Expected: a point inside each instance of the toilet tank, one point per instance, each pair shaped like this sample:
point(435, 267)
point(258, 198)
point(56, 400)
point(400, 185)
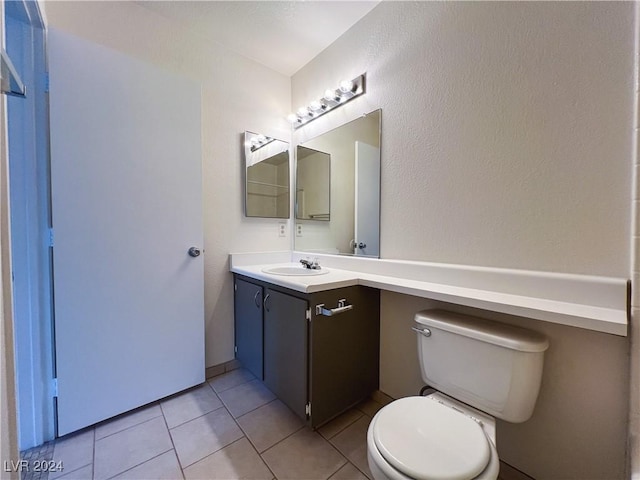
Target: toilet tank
point(492, 366)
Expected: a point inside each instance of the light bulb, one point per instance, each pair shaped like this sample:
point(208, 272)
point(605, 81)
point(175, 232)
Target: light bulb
point(346, 86)
point(261, 139)
point(303, 112)
point(292, 118)
point(315, 105)
point(330, 94)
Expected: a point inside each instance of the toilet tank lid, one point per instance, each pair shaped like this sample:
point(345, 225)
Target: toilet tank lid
point(508, 336)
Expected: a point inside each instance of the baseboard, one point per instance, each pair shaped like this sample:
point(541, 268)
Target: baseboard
point(225, 367)
point(507, 472)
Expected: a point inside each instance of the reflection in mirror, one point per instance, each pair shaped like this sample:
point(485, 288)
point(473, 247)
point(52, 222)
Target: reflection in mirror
point(312, 184)
point(267, 176)
point(352, 152)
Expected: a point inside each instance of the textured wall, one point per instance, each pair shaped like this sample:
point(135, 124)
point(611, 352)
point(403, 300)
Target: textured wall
point(506, 129)
point(506, 142)
point(237, 95)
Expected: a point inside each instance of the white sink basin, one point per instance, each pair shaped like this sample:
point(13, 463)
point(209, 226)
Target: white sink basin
point(294, 271)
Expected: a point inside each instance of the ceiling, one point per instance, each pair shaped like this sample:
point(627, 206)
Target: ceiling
point(283, 35)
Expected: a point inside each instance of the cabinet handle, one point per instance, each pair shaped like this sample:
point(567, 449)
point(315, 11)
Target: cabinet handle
point(329, 312)
point(266, 297)
point(255, 299)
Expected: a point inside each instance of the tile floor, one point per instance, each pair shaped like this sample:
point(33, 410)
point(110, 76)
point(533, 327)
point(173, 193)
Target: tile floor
point(231, 427)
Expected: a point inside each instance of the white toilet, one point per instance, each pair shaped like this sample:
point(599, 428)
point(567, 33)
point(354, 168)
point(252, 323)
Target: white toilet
point(471, 362)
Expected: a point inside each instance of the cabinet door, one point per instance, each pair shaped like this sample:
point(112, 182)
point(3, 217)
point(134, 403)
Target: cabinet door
point(344, 357)
point(285, 349)
point(248, 323)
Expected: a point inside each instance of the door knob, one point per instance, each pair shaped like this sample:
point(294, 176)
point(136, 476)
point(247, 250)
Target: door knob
point(362, 245)
point(194, 252)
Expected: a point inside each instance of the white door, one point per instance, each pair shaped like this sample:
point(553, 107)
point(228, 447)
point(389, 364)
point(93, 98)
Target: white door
point(367, 202)
point(126, 179)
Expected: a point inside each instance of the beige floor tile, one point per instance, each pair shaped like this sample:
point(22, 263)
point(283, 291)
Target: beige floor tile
point(348, 472)
point(189, 405)
point(127, 420)
point(126, 449)
point(236, 461)
point(162, 467)
point(84, 473)
point(381, 398)
point(231, 379)
point(74, 451)
point(303, 455)
point(246, 397)
point(369, 407)
point(267, 425)
point(202, 436)
point(352, 443)
point(339, 423)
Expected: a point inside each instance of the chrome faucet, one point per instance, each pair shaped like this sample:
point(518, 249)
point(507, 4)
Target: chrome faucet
point(309, 264)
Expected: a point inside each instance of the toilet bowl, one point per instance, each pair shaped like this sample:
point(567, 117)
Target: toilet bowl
point(432, 437)
point(494, 368)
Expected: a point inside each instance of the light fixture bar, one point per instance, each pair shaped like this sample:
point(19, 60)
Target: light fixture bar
point(260, 141)
point(333, 98)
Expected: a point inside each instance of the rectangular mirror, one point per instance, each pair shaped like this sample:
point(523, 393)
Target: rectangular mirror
point(313, 177)
point(267, 176)
point(349, 157)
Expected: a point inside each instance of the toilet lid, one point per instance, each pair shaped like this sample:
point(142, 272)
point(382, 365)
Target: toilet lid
point(425, 439)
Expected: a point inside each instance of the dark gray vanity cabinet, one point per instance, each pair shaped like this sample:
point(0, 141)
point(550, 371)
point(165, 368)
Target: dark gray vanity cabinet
point(320, 351)
point(344, 351)
point(285, 348)
point(249, 326)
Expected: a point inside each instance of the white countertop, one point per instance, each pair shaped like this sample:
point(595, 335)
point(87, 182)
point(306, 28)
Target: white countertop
point(307, 283)
point(594, 303)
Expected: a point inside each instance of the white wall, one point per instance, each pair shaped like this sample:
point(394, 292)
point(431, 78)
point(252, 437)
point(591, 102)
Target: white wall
point(506, 142)
point(237, 95)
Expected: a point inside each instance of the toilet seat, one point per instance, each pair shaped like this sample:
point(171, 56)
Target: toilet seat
point(422, 438)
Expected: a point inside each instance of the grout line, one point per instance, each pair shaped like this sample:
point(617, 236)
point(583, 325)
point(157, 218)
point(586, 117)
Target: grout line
point(340, 467)
point(347, 425)
point(360, 470)
point(233, 386)
point(175, 450)
point(209, 454)
point(282, 440)
point(191, 419)
point(249, 411)
point(70, 472)
point(236, 386)
point(137, 465)
point(125, 429)
point(344, 454)
point(93, 458)
point(250, 442)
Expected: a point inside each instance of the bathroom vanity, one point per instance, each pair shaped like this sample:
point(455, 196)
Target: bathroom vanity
point(317, 352)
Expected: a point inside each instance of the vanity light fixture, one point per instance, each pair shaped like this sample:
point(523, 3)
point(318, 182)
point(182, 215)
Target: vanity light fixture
point(260, 141)
point(347, 90)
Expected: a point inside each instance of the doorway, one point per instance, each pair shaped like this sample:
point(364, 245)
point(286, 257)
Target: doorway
point(28, 147)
